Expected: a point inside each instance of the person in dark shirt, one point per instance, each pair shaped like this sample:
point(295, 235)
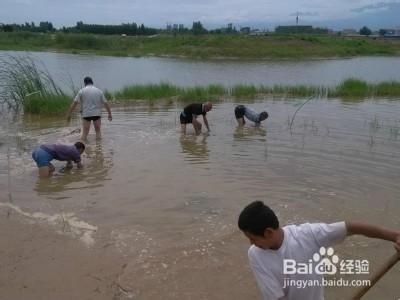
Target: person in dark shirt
point(44, 154)
point(190, 114)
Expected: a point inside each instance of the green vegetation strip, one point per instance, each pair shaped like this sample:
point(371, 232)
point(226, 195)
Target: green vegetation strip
point(201, 46)
point(26, 86)
point(349, 90)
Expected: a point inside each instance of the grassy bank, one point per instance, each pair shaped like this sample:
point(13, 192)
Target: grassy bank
point(350, 88)
point(205, 46)
point(51, 105)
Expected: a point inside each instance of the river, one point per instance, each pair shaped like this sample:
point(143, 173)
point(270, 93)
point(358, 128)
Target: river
point(113, 73)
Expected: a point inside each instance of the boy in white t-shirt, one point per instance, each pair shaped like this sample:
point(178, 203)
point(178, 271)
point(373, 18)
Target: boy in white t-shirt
point(275, 248)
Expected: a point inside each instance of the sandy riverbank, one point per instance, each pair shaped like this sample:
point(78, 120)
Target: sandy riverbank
point(37, 263)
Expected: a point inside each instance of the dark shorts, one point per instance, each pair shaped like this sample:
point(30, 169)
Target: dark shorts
point(41, 157)
point(94, 118)
point(186, 119)
point(240, 111)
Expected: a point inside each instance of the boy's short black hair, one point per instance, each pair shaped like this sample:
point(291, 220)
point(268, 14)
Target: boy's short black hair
point(80, 146)
point(88, 80)
point(256, 217)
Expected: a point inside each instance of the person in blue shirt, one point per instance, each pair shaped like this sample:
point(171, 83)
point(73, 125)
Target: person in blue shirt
point(44, 154)
point(242, 111)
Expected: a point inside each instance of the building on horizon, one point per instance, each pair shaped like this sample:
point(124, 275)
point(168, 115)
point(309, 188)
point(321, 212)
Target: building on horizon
point(389, 33)
point(245, 30)
point(304, 29)
point(350, 32)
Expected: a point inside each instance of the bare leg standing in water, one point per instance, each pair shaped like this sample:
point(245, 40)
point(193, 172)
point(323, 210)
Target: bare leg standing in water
point(85, 130)
point(97, 128)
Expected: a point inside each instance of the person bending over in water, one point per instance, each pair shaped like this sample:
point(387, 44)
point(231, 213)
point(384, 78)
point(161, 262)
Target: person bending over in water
point(44, 154)
point(92, 100)
point(191, 112)
point(242, 111)
point(278, 253)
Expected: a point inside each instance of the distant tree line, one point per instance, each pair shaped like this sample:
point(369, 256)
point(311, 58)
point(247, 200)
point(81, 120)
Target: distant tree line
point(128, 29)
point(80, 27)
point(31, 27)
point(198, 28)
point(135, 29)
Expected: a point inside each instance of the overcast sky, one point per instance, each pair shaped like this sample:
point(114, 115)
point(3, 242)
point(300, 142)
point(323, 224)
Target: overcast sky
point(157, 13)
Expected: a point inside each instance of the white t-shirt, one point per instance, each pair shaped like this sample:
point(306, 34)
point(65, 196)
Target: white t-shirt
point(92, 100)
point(300, 243)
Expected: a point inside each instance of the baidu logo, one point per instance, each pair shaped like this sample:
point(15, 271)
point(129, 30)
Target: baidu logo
point(326, 262)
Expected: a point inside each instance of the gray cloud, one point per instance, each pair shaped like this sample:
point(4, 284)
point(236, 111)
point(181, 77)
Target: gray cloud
point(374, 7)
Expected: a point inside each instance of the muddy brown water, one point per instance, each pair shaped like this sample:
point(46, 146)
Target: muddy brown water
point(169, 204)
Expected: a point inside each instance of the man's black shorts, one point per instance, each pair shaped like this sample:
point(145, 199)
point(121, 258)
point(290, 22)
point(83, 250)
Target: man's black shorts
point(186, 119)
point(94, 118)
point(240, 111)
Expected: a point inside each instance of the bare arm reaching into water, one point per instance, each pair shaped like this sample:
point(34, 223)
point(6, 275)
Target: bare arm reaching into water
point(206, 122)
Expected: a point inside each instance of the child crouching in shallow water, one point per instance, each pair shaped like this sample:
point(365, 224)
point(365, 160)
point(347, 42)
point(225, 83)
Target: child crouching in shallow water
point(44, 154)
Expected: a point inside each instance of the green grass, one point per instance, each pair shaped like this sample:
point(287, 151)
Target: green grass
point(49, 105)
point(203, 46)
point(26, 86)
point(148, 92)
point(387, 89)
point(165, 90)
point(348, 89)
point(211, 92)
point(245, 91)
point(352, 88)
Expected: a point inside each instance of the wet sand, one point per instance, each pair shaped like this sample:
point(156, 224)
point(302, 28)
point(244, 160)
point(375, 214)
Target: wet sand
point(38, 263)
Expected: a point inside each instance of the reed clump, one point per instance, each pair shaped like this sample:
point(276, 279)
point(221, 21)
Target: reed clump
point(199, 93)
point(26, 86)
point(147, 92)
point(352, 88)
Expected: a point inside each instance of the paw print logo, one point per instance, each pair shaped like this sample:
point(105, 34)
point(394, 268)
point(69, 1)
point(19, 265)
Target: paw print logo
point(326, 261)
